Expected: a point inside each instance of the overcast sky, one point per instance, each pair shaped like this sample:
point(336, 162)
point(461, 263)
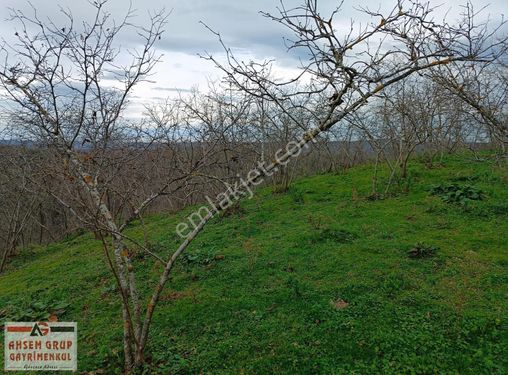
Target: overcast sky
point(239, 22)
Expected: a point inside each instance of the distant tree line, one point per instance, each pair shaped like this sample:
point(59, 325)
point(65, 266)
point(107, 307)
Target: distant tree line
point(222, 135)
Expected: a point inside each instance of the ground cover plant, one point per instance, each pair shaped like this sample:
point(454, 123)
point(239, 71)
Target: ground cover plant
point(259, 292)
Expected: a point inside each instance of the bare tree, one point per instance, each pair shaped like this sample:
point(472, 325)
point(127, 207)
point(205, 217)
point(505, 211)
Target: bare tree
point(483, 83)
point(357, 68)
point(18, 207)
point(483, 86)
point(54, 77)
point(400, 121)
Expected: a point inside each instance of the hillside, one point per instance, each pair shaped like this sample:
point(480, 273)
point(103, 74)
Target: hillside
point(315, 280)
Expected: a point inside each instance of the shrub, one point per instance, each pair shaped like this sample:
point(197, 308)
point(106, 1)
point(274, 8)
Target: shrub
point(459, 194)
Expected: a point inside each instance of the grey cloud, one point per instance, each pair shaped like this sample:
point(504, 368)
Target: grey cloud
point(239, 22)
point(172, 89)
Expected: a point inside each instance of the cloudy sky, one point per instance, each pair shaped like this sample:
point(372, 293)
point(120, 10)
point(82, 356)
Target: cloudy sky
point(248, 33)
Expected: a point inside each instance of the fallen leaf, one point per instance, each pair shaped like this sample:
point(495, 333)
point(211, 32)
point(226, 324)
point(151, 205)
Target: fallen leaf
point(339, 304)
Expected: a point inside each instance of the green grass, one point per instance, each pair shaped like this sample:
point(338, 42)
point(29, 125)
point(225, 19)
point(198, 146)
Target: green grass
point(267, 306)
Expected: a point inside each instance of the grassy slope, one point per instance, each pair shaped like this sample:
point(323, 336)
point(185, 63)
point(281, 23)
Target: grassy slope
point(265, 307)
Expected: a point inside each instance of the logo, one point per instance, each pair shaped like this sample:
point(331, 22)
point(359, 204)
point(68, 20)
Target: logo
point(37, 331)
point(45, 346)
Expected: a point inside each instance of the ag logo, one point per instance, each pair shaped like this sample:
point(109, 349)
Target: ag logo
point(40, 329)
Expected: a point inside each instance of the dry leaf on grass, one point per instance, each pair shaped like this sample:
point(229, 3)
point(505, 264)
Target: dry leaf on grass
point(339, 304)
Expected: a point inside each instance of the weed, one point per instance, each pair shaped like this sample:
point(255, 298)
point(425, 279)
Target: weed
point(295, 286)
point(334, 235)
point(297, 196)
point(234, 210)
point(458, 194)
point(33, 311)
point(421, 250)
point(201, 258)
point(375, 197)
